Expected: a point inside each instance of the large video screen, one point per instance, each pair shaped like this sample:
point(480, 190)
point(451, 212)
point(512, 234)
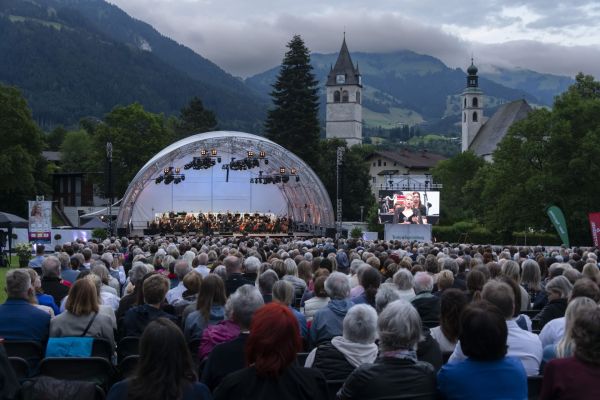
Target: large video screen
point(409, 207)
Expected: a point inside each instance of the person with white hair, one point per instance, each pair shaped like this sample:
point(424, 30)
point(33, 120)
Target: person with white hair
point(202, 267)
point(338, 358)
point(182, 267)
point(251, 267)
point(426, 303)
point(327, 322)
point(291, 276)
point(558, 290)
point(387, 293)
point(397, 370)
point(52, 284)
point(404, 281)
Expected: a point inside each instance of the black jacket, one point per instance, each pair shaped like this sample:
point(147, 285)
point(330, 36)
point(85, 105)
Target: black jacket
point(138, 317)
point(554, 309)
point(234, 281)
point(224, 359)
point(428, 307)
point(55, 287)
point(331, 362)
point(390, 378)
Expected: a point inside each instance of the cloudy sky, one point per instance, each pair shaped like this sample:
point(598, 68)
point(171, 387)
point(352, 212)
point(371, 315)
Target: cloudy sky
point(245, 37)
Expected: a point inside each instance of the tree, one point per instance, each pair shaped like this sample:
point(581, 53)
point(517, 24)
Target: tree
point(548, 158)
point(77, 152)
point(55, 138)
point(136, 135)
point(453, 174)
point(22, 168)
point(194, 118)
point(293, 122)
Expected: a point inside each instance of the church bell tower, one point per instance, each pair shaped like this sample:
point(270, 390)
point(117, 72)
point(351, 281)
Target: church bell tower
point(344, 108)
point(472, 108)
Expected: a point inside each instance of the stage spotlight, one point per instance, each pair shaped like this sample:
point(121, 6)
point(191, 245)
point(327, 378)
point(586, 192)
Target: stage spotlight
point(262, 154)
point(219, 160)
point(250, 153)
point(203, 152)
point(266, 161)
point(293, 171)
point(297, 179)
point(251, 180)
point(159, 179)
point(285, 179)
point(213, 152)
point(282, 170)
point(177, 170)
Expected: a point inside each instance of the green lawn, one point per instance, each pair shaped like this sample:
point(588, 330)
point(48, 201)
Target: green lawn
point(14, 263)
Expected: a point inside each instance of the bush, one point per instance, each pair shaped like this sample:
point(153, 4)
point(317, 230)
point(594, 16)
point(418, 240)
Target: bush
point(356, 232)
point(470, 232)
point(99, 233)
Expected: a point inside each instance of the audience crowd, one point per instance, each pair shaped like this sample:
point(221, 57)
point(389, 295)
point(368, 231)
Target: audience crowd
point(318, 318)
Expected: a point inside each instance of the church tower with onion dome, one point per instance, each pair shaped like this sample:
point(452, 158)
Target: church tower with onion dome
point(472, 108)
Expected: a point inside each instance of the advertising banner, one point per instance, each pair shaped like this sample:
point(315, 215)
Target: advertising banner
point(409, 232)
point(558, 220)
point(595, 227)
point(40, 221)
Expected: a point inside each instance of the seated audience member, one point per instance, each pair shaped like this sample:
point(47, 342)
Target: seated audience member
point(358, 289)
point(405, 281)
point(209, 310)
point(228, 357)
point(397, 370)
point(81, 316)
point(328, 321)
point(103, 308)
point(191, 283)
point(71, 272)
point(453, 302)
point(522, 320)
point(512, 270)
point(136, 274)
point(36, 262)
point(40, 300)
point(521, 344)
point(577, 377)
point(202, 265)
point(387, 293)
point(531, 280)
point(558, 291)
point(475, 281)
point(165, 369)
point(426, 303)
point(554, 330)
point(445, 280)
point(370, 281)
point(338, 358)
point(319, 301)
point(486, 373)
point(155, 288)
point(108, 294)
point(182, 268)
point(235, 278)
point(273, 373)
point(266, 280)
point(291, 276)
point(251, 267)
point(239, 309)
point(565, 346)
point(283, 293)
point(20, 320)
point(52, 284)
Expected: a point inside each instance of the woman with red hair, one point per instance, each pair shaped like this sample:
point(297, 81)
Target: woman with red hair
point(272, 371)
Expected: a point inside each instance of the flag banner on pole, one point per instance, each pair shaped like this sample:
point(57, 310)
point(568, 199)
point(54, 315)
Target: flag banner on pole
point(595, 226)
point(558, 220)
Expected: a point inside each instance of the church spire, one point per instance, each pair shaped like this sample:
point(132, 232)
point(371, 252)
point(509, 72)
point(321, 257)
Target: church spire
point(344, 67)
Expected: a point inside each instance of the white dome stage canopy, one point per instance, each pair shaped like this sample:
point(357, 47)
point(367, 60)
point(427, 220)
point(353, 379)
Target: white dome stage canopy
point(219, 190)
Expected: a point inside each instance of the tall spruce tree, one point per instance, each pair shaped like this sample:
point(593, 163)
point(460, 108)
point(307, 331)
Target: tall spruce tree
point(293, 122)
point(194, 118)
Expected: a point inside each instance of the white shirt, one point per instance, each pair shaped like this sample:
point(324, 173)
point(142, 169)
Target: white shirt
point(524, 345)
point(110, 299)
point(202, 270)
point(553, 331)
point(176, 293)
point(446, 346)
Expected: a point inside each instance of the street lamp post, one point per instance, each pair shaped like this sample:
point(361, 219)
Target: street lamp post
point(109, 150)
point(338, 164)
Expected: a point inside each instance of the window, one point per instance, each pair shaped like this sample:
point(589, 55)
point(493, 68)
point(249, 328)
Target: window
point(358, 97)
point(374, 163)
point(475, 116)
point(374, 179)
point(464, 117)
point(384, 164)
point(336, 96)
point(465, 102)
point(345, 96)
point(379, 163)
point(475, 102)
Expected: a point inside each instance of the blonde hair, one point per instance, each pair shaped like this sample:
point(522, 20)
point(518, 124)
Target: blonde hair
point(83, 298)
point(578, 306)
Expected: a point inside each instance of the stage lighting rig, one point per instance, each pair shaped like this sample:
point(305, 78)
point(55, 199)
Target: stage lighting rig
point(281, 177)
point(205, 161)
point(170, 175)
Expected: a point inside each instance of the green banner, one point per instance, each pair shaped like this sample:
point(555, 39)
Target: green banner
point(558, 219)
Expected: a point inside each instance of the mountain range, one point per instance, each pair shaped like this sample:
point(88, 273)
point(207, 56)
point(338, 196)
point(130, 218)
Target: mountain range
point(78, 58)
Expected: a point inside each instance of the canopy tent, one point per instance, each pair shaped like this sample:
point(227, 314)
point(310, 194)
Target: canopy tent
point(10, 221)
point(222, 189)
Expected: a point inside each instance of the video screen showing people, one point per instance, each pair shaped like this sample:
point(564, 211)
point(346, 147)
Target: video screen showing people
point(409, 207)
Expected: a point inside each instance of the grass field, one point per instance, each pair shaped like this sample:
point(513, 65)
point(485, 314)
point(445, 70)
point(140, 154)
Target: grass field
point(14, 262)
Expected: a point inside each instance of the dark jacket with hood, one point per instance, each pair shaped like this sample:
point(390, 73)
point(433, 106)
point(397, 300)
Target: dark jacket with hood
point(138, 317)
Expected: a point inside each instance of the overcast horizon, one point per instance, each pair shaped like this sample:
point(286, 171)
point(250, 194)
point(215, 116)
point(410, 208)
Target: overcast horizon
point(248, 37)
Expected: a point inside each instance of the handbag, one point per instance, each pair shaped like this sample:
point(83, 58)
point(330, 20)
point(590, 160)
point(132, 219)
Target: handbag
point(71, 346)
